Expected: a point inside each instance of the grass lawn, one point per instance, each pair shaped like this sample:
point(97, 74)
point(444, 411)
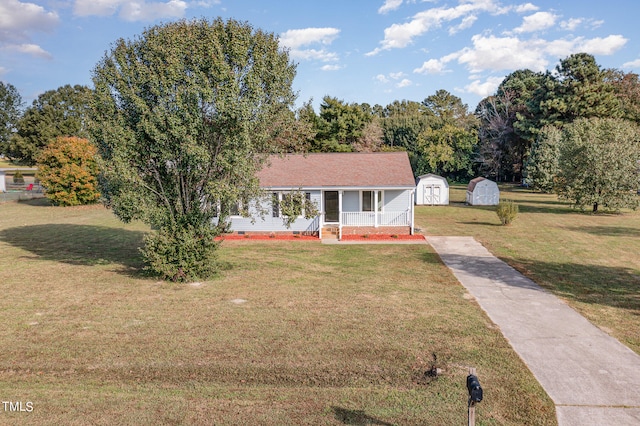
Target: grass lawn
point(591, 261)
point(291, 333)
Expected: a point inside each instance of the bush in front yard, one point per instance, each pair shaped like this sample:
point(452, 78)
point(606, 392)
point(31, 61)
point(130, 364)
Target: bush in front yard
point(181, 253)
point(507, 211)
point(67, 170)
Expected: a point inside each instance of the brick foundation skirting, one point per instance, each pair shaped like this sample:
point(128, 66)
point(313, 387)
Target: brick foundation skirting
point(276, 233)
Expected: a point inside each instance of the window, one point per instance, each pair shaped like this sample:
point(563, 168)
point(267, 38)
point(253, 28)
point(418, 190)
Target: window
point(368, 201)
point(307, 201)
point(275, 204)
point(285, 203)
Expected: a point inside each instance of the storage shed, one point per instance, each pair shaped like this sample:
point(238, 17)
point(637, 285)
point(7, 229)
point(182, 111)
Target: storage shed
point(3, 187)
point(432, 190)
point(482, 192)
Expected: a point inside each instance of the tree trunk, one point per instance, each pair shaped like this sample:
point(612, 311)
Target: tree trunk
point(595, 207)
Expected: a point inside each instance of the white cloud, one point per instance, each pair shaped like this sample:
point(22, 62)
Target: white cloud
point(330, 67)
point(30, 49)
point(389, 5)
point(627, 65)
point(498, 54)
point(18, 20)
point(432, 66)
point(484, 88)
point(632, 64)
point(536, 22)
point(394, 76)
point(296, 39)
point(467, 22)
point(602, 46)
point(137, 10)
point(401, 35)
point(313, 55)
point(528, 7)
point(503, 53)
point(571, 24)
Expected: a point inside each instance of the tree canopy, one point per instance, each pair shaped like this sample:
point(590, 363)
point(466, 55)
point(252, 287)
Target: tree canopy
point(598, 164)
point(184, 118)
point(10, 113)
point(60, 112)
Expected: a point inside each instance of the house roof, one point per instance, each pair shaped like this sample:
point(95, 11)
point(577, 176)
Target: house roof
point(353, 169)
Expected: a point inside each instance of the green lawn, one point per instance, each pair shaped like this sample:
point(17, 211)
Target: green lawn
point(591, 261)
point(291, 333)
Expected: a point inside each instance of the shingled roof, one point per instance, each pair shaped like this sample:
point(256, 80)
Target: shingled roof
point(364, 170)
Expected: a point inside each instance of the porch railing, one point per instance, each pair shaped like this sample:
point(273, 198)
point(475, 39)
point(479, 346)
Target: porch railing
point(393, 218)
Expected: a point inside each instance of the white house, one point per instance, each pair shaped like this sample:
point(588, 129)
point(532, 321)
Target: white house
point(482, 192)
point(355, 193)
point(432, 190)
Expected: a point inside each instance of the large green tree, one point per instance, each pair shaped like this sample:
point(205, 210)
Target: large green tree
point(542, 164)
point(10, 113)
point(184, 118)
point(579, 88)
point(599, 164)
point(502, 149)
point(60, 112)
point(340, 125)
point(447, 145)
point(402, 122)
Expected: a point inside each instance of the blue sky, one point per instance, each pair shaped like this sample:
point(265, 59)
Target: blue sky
point(373, 51)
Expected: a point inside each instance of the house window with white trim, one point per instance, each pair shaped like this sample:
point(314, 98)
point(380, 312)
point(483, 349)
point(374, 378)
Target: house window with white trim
point(368, 201)
point(275, 204)
point(278, 197)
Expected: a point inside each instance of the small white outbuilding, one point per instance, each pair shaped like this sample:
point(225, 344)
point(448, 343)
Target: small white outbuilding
point(3, 187)
point(432, 190)
point(483, 192)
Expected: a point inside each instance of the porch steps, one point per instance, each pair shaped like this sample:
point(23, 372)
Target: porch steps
point(330, 233)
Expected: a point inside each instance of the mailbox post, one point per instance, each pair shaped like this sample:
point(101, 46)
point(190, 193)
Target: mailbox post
point(475, 395)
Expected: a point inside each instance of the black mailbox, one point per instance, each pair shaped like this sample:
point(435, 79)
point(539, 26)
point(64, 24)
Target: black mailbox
point(475, 390)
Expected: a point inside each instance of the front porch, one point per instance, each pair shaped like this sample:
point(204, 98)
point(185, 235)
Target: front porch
point(366, 212)
point(368, 223)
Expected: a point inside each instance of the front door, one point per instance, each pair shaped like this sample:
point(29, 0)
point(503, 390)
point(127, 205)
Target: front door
point(331, 207)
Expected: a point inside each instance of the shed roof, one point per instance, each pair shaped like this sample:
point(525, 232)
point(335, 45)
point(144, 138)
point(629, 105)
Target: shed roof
point(432, 175)
point(474, 182)
point(378, 169)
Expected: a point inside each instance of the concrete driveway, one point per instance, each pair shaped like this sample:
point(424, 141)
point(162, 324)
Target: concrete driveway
point(592, 378)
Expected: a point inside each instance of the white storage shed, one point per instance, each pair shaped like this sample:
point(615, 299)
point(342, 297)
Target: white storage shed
point(483, 192)
point(432, 190)
point(3, 187)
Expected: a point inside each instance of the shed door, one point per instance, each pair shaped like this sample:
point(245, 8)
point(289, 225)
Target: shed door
point(432, 194)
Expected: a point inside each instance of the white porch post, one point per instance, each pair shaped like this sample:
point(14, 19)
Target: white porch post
point(375, 209)
point(340, 214)
point(413, 208)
